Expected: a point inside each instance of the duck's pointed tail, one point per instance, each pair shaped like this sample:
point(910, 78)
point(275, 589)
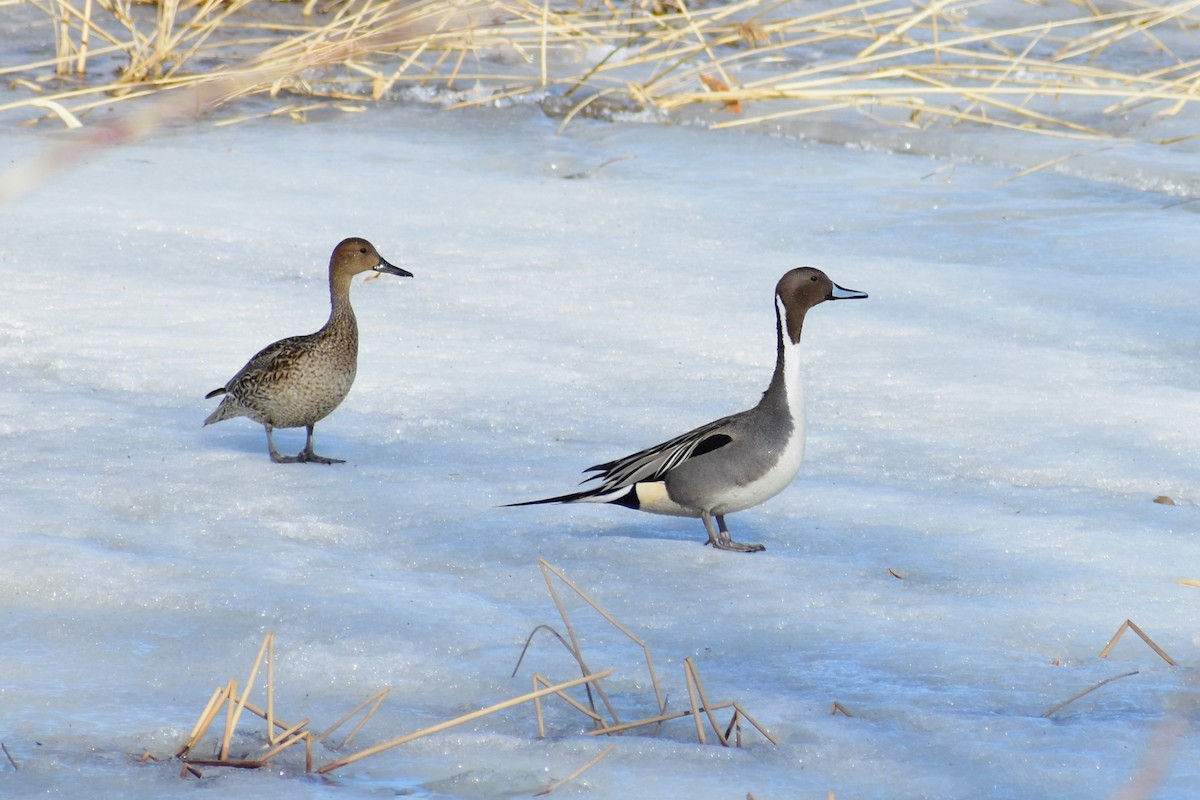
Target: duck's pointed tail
point(619, 496)
point(228, 408)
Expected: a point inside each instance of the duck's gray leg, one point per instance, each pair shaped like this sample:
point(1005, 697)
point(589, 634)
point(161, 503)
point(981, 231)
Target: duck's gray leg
point(719, 537)
point(308, 455)
point(275, 456)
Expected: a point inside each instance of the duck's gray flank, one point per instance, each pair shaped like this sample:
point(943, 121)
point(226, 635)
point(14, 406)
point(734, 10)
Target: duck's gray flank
point(735, 462)
point(296, 382)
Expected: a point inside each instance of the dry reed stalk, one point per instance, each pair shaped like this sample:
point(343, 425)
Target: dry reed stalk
point(9, 756)
point(230, 702)
point(441, 726)
point(1043, 165)
point(591, 763)
point(227, 695)
point(575, 649)
point(766, 733)
point(657, 719)
point(275, 722)
point(692, 676)
point(547, 570)
point(575, 654)
point(694, 712)
point(537, 707)
point(284, 742)
point(233, 763)
point(236, 711)
point(1130, 625)
point(206, 717)
point(1051, 711)
point(693, 702)
point(921, 47)
point(739, 712)
point(1138, 21)
point(587, 173)
point(538, 680)
point(202, 93)
point(936, 76)
point(558, 636)
point(270, 716)
point(84, 38)
point(374, 701)
point(1185, 83)
point(848, 71)
point(838, 708)
point(897, 33)
point(734, 728)
point(697, 698)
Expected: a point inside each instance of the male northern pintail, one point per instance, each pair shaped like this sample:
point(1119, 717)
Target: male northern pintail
point(737, 461)
point(296, 382)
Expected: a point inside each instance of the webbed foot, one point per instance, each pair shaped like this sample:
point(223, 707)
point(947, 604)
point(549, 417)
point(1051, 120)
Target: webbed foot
point(309, 457)
point(720, 539)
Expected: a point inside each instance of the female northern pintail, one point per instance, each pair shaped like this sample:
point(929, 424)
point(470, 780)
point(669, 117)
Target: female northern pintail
point(296, 382)
point(737, 461)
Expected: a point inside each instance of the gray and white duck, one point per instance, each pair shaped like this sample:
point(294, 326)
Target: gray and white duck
point(733, 463)
point(296, 382)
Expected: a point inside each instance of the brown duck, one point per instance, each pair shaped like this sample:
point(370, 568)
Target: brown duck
point(296, 382)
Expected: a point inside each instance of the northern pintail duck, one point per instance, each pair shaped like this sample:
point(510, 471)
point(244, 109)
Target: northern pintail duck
point(737, 461)
point(296, 382)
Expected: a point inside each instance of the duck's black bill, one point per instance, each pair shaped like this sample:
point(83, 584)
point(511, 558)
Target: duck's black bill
point(392, 269)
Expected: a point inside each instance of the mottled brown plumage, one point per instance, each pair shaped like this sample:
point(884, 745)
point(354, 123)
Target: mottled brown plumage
point(298, 381)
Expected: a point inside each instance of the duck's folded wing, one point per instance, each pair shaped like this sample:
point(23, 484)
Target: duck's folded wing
point(266, 360)
point(654, 462)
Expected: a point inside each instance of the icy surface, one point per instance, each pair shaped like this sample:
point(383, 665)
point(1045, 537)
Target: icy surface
point(993, 425)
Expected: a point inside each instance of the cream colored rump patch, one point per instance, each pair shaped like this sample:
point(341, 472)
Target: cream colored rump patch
point(652, 497)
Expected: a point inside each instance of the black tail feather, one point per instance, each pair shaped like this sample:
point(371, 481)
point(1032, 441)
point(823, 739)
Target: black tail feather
point(566, 498)
point(628, 499)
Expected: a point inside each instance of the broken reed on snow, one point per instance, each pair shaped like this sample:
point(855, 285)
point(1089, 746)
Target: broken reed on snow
point(749, 60)
point(281, 735)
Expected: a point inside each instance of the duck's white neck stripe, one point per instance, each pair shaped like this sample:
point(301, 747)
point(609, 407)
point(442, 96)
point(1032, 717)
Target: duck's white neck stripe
point(781, 320)
point(790, 364)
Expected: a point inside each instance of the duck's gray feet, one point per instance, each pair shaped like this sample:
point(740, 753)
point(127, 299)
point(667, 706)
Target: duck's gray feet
point(305, 456)
point(309, 457)
point(725, 543)
point(720, 539)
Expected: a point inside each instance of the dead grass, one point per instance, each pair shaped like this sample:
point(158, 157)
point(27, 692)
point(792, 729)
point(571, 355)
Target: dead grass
point(279, 736)
point(1127, 625)
point(750, 61)
point(607, 720)
point(1130, 625)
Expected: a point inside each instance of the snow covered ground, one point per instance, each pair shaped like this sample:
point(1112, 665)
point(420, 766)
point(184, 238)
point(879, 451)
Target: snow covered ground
point(993, 425)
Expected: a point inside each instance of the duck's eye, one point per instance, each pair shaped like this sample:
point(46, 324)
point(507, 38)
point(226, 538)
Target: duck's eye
point(363, 250)
point(813, 278)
